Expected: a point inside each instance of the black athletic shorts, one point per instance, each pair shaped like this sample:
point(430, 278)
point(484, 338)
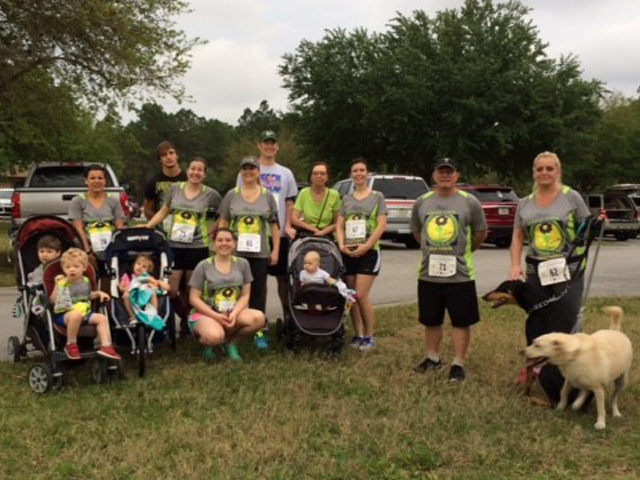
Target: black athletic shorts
point(188, 258)
point(369, 264)
point(280, 269)
point(460, 300)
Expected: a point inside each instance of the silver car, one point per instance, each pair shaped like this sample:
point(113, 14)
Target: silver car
point(6, 204)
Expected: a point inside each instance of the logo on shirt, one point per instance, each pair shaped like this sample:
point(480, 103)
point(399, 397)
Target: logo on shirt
point(547, 236)
point(442, 229)
point(272, 182)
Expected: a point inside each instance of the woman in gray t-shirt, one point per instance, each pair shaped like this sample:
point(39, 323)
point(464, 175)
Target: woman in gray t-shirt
point(95, 215)
point(361, 222)
point(220, 291)
point(186, 206)
point(250, 211)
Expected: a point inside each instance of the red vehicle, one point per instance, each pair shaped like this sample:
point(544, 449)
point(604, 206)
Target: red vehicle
point(499, 204)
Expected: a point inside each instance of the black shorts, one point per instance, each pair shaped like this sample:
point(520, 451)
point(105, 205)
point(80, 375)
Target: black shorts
point(367, 265)
point(188, 258)
point(459, 299)
point(280, 269)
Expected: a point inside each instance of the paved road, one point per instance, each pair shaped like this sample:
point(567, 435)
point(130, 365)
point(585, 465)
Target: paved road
point(617, 274)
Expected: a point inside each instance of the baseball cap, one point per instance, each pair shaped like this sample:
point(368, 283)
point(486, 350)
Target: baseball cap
point(249, 161)
point(446, 162)
point(268, 135)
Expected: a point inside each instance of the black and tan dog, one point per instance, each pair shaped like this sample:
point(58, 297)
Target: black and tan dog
point(546, 314)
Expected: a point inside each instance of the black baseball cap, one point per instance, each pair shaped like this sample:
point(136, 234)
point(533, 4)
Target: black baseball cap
point(446, 162)
point(268, 135)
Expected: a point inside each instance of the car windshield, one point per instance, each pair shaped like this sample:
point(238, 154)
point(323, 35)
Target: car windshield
point(496, 196)
point(401, 187)
point(60, 176)
point(6, 194)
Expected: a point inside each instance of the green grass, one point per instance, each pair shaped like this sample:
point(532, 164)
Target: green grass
point(360, 416)
point(7, 277)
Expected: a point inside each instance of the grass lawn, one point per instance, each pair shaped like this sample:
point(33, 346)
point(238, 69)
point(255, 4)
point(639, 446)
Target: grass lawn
point(7, 277)
point(277, 416)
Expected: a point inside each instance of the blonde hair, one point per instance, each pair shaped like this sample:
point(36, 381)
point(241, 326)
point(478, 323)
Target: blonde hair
point(552, 155)
point(313, 255)
point(74, 254)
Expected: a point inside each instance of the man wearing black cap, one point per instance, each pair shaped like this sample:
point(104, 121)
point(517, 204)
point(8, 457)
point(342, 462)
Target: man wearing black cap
point(449, 224)
point(279, 180)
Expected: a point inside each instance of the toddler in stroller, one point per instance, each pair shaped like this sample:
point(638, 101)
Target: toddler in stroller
point(49, 249)
point(312, 273)
point(72, 297)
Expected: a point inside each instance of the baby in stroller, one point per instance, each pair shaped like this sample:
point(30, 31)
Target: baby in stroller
point(72, 297)
point(139, 293)
point(312, 273)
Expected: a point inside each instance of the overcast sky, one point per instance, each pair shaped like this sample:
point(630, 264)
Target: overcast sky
point(238, 68)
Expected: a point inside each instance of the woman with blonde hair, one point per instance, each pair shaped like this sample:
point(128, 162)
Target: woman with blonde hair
point(550, 219)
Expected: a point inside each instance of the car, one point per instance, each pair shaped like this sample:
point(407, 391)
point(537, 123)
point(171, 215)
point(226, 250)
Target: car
point(6, 204)
point(400, 193)
point(620, 211)
point(499, 204)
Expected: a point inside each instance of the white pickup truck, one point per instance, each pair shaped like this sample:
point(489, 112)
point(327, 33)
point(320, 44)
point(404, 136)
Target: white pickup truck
point(50, 187)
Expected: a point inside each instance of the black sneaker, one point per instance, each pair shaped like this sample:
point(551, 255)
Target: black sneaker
point(457, 374)
point(427, 364)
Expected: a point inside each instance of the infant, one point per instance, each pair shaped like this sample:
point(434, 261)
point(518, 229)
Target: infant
point(312, 273)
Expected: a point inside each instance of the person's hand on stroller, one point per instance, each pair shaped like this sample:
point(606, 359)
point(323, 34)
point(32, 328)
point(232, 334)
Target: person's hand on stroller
point(100, 296)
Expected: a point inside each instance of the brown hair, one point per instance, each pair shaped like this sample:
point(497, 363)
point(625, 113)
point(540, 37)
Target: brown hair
point(359, 160)
point(214, 234)
point(162, 148)
point(49, 241)
point(320, 164)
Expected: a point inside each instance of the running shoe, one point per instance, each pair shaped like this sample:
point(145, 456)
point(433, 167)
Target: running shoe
point(109, 352)
point(72, 351)
point(457, 374)
point(356, 341)
point(261, 341)
point(208, 354)
point(368, 343)
point(427, 365)
point(232, 353)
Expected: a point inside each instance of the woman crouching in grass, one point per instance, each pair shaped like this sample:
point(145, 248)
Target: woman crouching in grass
point(219, 294)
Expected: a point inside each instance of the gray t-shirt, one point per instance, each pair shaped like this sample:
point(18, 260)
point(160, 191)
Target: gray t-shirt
point(221, 291)
point(188, 224)
point(446, 225)
point(99, 223)
point(361, 217)
point(279, 180)
point(551, 230)
point(251, 222)
point(320, 276)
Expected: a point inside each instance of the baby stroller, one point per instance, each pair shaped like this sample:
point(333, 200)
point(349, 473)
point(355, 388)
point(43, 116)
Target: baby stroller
point(316, 310)
point(41, 333)
point(125, 246)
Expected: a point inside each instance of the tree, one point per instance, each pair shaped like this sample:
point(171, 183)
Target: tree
point(104, 49)
point(473, 83)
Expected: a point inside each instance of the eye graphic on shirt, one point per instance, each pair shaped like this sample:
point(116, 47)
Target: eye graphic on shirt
point(186, 215)
point(442, 229)
point(248, 224)
point(547, 236)
point(227, 292)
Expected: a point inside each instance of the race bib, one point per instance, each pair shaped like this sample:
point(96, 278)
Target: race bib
point(553, 271)
point(226, 306)
point(249, 242)
point(442, 265)
point(355, 230)
point(100, 235)
point(184, 227)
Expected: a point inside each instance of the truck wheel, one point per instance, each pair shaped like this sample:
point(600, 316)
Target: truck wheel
point(621, 237)
point(411, 243)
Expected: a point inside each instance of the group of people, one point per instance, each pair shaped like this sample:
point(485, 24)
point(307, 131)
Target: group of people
point(220, 293)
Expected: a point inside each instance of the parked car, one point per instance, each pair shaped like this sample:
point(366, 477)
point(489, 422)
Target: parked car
point(499, 204)
point(5, 202)
point(400, 193)
point(49, 188)
point(620, 210)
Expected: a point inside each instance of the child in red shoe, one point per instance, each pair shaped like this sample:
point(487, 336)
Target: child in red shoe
point(72, 297)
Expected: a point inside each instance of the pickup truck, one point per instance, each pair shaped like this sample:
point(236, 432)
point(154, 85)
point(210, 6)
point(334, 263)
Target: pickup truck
point(49, 188)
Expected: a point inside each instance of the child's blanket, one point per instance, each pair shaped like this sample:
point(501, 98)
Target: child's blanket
point(140, 293)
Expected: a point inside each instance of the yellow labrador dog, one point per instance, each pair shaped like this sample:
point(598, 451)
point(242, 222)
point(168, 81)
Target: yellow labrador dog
point(588, 362)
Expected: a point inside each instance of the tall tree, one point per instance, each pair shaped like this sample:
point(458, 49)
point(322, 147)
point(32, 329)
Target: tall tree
point(474, 83)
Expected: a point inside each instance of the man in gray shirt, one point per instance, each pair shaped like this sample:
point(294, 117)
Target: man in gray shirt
point(449, 224)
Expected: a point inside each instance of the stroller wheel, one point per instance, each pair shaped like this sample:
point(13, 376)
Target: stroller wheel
point(40, 378)
point(14, 349)
point(57, 374)
point(115, 370)
point(99, 370)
